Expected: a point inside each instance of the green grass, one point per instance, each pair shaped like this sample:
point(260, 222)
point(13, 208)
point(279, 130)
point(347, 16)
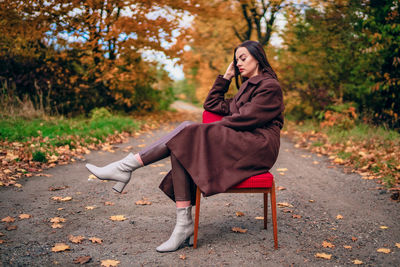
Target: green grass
point(57, 129)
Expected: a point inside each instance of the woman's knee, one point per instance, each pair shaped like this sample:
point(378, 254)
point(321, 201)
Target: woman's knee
point(185, 124)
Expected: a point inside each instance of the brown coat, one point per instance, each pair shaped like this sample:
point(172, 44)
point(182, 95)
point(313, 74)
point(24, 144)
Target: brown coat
point(244, 143)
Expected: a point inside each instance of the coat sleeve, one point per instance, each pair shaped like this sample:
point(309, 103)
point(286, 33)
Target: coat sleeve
point(215, 101)
point(265, 105)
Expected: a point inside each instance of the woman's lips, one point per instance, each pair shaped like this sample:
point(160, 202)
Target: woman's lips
point(241, 70)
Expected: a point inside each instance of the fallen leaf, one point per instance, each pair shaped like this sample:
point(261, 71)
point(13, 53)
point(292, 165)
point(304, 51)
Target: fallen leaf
point(287, 211)
point(279, 188)
point(127, 149)
point(163, 173)
point(56, 188)
point(182, 257)
point(18, 185)
point(354, 238)
point(397, 245)
point(259, 218)
point(142, 145)
point(339, 217)
point(76, 239)
point(383, 227)
point(82, 259)
point(92, 177)
point(1, 234)
point(239, 214)
point(57, 220)
point(90, 207)
point(11, 228)
point(108, 203)
point(284, 204)
point(57, 225)
point(60, 208)
point(296, 216)
point(338, 161)
point(60, 247)
point(118, 218)
point(61, 199)
point(109, 263)
point(311, 200)
point(357, 262)
point(281, 169)
point(281, 173)
point(315, 162)
point(8, 219)
point(327, 244)
point(96, 240)
point(143, 202)
point(239, 230)
point(383, 250)
point(2, 241)
point(323, 256)
point(347, 247)
point(24, 216)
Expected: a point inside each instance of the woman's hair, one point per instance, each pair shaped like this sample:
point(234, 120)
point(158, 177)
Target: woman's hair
point(257, 51)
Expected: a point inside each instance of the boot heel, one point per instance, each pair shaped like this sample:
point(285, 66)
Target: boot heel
point(119, 186)
point(190, 241)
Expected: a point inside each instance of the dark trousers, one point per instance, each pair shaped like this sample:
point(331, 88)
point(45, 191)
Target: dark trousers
point(181, 179)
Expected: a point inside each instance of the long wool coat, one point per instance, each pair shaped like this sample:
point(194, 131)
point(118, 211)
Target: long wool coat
point(244, 143)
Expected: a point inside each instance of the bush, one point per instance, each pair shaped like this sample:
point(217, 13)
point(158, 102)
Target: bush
point(99, 113)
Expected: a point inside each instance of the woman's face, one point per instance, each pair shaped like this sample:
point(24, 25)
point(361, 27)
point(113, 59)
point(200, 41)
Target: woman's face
point(246, 63)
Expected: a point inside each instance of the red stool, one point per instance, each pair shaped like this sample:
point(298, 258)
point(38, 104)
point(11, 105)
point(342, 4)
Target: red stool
point(262, 183)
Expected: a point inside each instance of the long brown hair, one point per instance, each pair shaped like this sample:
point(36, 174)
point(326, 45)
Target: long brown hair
point(257, 51)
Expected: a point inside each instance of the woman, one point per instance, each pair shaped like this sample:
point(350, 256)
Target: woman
point(217, 155)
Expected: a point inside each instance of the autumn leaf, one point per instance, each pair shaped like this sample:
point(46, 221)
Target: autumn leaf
point(327, 244)
point(57, 220)
point(339, 217)
point(311, 201)
point(18, 185)
point(2, 241)
point(338, 161)
point(259, 218)
point(239, 230)
point(182, 257)
point(383, 250)
point(354, 238)
point(8, 219)
point(323, 256)
point(24, 216)
point(281, 169)
point(357, 262)
point(296, 216)
point(92, 177)
point(286, 210)
point(76, 239)
point(347, 247)
point(56, 188)
point(118, 218)
point(108, 203)
point(60, 247)
point(284, 204)
point(61, 199)
point(239, 214)
point(383, 227)
point(109, 263)
point(163, 173)
point(143, 201)
point(11, 228)
point(82, 259)
point(142, 145)
point(90, 207)
point(57, 225)
point(397, 245)
point(280, 188)
point(96, 240)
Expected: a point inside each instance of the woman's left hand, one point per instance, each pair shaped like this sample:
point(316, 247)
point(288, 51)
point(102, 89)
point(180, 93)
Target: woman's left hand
point(230, 72)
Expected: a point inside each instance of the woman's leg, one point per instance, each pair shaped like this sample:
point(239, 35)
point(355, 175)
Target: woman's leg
point(184, 228)
point(121, 170)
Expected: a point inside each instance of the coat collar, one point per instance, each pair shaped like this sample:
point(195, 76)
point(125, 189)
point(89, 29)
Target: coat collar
point(258, 78)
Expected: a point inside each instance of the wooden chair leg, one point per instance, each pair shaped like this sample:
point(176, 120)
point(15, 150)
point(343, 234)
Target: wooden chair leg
point(265, 210)
point(197, 216)
point(274, 222)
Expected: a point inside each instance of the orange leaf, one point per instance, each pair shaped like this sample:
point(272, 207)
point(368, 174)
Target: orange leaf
point(323, 256)
point(96, 240)
point(108, 203)
point(76, 239)
point(280, 188)
point(109, 263)
point(182, 257)
point(143, 202)
point(57, 225)
point(8, 219)
point(339, 217)
point(296, 216)
point(60, 247)
point(24, 216)
point(259, 218)
point(383, 250)
point(82, 259)
point(327, 244)
point(239, 214)
point(397, 245)
point(357, 262)
point(284, 204)
point(11, 227)
point(57, 220)
point(90, 207)
point(347, 247)
point(118, 218)
point(239, 230)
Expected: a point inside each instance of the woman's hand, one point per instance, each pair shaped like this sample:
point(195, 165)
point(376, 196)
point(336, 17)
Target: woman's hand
point(230, 72)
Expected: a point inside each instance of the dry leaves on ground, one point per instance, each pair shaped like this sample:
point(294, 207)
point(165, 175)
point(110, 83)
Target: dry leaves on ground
point(8, 219)
point(76, 239)
point(109, 263)
point(323, 256)
point(182, 257)
point(339, 217)
point(143, 201)
point(118, 218)
point(96, 240)
point(383, 250)
point(61, 199)
point(284, 204)
point(239, 214)
point(58, 247)
point(327, 244)
point(259, 218)
point(239, 230)
point(357, 262)
point(24, 216)
point(82, 259)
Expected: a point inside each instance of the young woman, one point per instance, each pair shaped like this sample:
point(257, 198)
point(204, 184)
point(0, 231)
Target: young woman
point(218, 155)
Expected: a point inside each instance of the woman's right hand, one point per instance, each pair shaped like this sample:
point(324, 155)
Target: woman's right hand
point(230, 72)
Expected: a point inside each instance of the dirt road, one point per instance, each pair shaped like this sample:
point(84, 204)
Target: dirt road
point(316, 192)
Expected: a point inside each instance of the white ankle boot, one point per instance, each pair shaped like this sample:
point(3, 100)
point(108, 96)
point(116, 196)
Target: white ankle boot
point(119, 171)
point(183, 231)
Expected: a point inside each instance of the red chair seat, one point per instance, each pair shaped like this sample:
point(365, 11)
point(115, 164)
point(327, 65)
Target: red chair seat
point(258, 181)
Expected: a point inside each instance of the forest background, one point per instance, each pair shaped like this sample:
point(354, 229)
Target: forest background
point(338, 64)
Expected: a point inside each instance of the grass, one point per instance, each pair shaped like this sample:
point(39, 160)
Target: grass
point(57, 128)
